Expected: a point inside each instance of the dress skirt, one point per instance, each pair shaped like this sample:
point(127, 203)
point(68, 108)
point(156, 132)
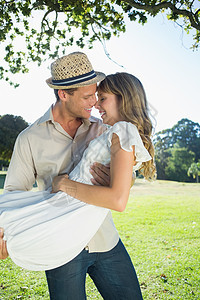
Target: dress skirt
point(43, 230)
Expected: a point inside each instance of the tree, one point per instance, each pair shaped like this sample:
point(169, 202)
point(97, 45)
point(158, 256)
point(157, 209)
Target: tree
point(10, 127)
point(194, 170)
point(178, 164)
point(95, 19)
point(161, 159)
point(184, 134)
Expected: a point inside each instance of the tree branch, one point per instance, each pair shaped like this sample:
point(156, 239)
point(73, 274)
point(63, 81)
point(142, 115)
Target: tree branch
point(196, 15)
point(155, 8)
point(42, 26)
point(93, 19)
point(103, 43)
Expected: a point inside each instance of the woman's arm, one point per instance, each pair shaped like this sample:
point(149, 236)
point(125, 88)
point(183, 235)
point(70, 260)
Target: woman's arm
point(115, 196)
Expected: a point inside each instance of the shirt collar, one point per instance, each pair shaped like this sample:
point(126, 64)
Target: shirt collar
point(48, 116)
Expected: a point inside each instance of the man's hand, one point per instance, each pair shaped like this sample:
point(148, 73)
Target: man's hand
point(3, 248)
point(101, 174)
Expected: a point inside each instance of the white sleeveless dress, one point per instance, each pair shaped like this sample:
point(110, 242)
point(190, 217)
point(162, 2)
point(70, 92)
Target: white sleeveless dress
point(43, 230)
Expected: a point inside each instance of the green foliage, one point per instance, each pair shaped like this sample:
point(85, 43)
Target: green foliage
point(176, 148)
point(161, 159)
point(10, 127)
point(178, 164)
point(94, 20)
point(185, 133)
point(160, 229)
point(4, 163)
point(194, 170)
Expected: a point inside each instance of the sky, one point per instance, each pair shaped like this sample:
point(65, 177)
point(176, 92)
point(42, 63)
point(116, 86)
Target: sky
point(158, 53)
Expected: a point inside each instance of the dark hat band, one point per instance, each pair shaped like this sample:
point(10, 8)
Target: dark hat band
point(75, 79)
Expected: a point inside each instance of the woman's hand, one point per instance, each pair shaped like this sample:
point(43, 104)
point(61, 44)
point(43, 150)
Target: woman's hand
point(59, 183)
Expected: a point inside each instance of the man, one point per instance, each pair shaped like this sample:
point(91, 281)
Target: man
point(54, 145)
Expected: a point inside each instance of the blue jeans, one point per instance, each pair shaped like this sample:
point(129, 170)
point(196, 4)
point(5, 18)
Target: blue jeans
point(112, 273)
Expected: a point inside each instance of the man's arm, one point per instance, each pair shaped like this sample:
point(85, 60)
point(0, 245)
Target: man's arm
point(21, 171)
point(20, 176)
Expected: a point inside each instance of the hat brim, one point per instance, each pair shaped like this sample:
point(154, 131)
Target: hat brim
point(100, 76)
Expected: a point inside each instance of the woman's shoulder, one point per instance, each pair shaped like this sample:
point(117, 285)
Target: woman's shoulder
point(126, 132)
point(124, 126)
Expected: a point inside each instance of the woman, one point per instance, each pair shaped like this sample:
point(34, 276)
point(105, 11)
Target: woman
point(36, 224)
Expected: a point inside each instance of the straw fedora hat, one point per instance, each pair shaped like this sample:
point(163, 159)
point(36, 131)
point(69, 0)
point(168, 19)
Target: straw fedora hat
point(73, 71)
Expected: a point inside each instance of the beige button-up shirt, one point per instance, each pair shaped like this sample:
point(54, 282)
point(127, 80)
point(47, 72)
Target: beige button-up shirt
point(44, 150)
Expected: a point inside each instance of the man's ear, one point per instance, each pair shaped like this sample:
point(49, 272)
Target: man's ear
point(63, 95)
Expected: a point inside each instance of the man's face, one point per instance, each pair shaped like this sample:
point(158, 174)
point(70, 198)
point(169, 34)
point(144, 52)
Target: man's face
point(79, 105)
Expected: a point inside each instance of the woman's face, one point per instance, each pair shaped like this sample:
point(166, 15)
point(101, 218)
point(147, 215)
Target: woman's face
point(108, 106)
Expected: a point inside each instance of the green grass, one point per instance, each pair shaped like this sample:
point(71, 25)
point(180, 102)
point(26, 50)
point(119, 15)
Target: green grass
point(160, 229)
point(3, 172)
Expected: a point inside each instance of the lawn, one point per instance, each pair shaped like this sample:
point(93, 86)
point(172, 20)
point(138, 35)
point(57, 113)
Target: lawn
point(160, 228)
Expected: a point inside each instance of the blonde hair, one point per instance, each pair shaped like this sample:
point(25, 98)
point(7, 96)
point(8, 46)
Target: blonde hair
point(133, 108)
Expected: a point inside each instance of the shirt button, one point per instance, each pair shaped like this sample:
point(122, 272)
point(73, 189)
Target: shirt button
point(87, 248)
